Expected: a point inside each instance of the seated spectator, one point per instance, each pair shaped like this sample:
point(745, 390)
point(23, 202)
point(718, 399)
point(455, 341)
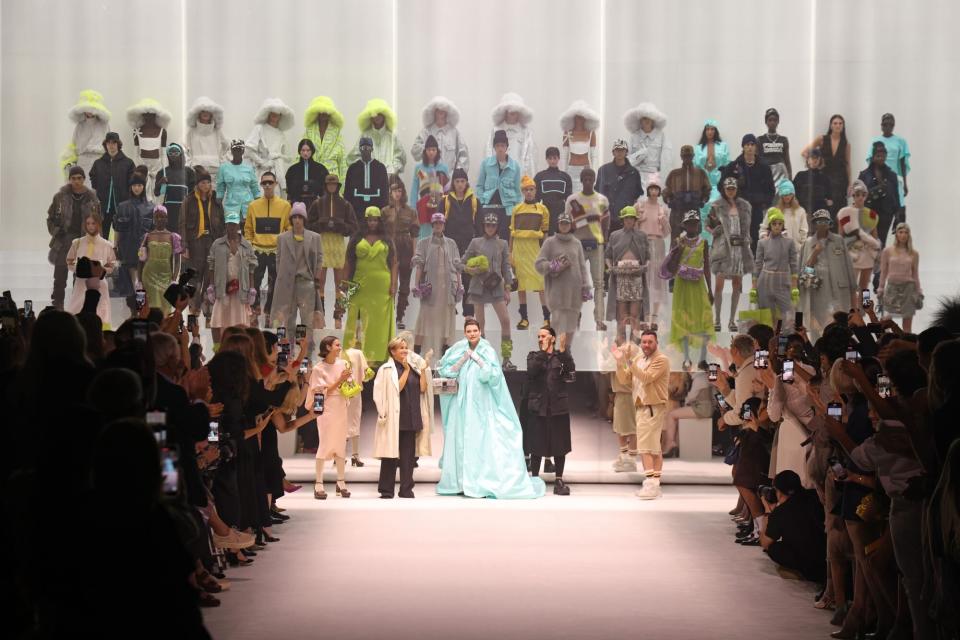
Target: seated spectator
point(794, 536)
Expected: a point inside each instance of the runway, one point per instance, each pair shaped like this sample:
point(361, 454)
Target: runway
point(597, 564)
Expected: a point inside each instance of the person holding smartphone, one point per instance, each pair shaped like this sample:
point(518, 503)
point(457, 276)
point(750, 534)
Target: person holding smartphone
point(789, 405)
point(328, 374)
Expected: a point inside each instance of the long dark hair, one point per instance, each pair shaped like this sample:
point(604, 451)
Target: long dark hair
point(228, 376)
point(843, 134)
point(703, 135)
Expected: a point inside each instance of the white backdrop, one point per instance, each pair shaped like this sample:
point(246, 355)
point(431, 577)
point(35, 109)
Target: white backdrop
point(726, 59)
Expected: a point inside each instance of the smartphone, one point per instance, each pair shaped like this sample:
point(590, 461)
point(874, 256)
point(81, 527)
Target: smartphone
point(835, 410)
point(171, 475)
point(192, 322)
point(721, 401)
point(852, 354)
point(141, 299)
point(797, 320)
point(27, 308)
point(781, 346)
point(865, 300)
point(301, 331)
point(837, 467)
point(213, 435)
point(281, 333)
point(779, 326)
point(761, 359)
point(746, 412)
point(304, 366)
point(318, 403)
point(883, 386)
point(713, 370)
point(139, 329)
point(157, 421)
point(285, 348)
point(787, 371)
point(282, 360)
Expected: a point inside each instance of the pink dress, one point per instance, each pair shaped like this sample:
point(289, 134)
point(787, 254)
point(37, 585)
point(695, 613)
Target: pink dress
point(332, 423)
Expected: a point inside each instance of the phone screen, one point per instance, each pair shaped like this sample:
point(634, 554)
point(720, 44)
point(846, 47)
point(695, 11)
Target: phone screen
point(761, 359)
point(883, 386)
point(141, 299)
point(318, 402)
point(139, 330)
point(781, 346)
point(746, 412)
point(788, 370)
point(214, 434)
point(712, 372)
point(798, 319)
point(27, 307)
point(834, 410)
point(281, 332)
point(852, 354)
point(171, 475)
point(304, 365)
point(301, 331)
point(281, 361)
point(720, 401)
point(865, 298)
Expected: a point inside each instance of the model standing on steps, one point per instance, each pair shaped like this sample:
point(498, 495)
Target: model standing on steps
point(835, 153)
point(487, 260)
point(149, 121)
point(549, 370)
point(325, 379)
point(267, 143)
point(692, 296)
point(438, 267)
point(334, 219)
point(774, 149)
point(653, 219)
point(529, 223)
point(237, 182)
point(710, 154)
point(579, 124)
point(627, 259)
point(92, 119)
point(731, 257)
point(403, 228)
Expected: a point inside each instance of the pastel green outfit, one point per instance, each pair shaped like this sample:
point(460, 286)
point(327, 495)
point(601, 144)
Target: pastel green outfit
point(330, 152)
point(692, 313)
point(158, 272)
point(372, 303)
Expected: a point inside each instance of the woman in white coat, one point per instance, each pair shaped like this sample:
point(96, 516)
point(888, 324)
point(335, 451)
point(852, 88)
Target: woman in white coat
point(440, 119)
point(93, 246)
point(267, 143)
point(513, 116)
point(206, 145)
point(403, 394)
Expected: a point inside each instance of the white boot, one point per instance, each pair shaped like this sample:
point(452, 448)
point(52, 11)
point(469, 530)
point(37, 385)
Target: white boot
point(624, 462)
point(650, 489)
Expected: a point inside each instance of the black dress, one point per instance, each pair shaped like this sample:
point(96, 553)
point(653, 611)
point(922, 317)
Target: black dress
point(835, 167)
point(548, 432)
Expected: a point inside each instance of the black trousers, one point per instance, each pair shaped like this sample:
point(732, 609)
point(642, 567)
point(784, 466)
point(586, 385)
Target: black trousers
point(60, 273)
point(266, 263)
point(388, 467)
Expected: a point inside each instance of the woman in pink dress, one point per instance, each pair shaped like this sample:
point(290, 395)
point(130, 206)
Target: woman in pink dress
point(327, 376)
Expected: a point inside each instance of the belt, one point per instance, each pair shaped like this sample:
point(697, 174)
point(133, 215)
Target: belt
point(771, 271)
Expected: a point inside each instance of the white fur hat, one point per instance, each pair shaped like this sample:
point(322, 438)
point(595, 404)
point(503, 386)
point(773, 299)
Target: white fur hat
point(439, 102)
point(631, 119)
point(203, 103)
point(511, 102)
point(275, 105)
point(147, 105)
point(579, 108)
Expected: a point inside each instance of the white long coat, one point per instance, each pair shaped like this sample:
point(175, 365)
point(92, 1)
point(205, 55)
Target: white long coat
point(386, 396)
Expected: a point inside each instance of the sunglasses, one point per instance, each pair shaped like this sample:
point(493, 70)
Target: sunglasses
point(266, 183)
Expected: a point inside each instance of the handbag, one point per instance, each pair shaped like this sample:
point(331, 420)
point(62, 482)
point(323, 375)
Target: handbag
point(445, 386)
point(671, 264)
point(490, 280)
point(733, 454)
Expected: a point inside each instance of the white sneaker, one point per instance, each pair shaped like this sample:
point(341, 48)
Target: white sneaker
point(234, 540)
point(624, 464)
point(650, 490)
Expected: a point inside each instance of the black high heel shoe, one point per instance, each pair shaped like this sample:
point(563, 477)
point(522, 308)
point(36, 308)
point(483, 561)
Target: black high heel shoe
point(355, 460)
point(343, 492)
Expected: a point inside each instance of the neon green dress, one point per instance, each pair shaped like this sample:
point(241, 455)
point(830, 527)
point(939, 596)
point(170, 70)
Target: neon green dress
point(372, 303)
point(692, 313)
point(158, 271)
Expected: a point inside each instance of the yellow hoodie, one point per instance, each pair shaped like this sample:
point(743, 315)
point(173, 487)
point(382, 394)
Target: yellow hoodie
point(263, 209)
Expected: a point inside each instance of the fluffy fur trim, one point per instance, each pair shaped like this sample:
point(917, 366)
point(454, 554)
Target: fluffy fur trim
point(322, 104)
point(203, 103)
point(275, 105)
point(375, 106)
point(90, 102)
point(147, 105)
point(511, 102)
point(439, 102)
point(579, 108)
point(631, 119)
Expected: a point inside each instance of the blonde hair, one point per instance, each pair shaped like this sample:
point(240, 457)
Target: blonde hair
point(291, 401)
point(396, 342)
point(896, 243)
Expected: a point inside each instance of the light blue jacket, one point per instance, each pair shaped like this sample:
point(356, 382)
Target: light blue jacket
point(507, 181)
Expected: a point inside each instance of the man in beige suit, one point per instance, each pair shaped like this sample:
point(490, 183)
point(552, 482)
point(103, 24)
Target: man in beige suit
point(299, 257)
point(650, 371)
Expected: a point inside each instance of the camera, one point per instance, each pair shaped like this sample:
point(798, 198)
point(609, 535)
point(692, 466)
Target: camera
point(318, 403)
point(768, 493)
point(761, 359)
point(181, 288)
point(787, 375)
point(712, 371)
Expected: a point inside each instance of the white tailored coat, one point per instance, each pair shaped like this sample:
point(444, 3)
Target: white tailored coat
point(386, 397)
